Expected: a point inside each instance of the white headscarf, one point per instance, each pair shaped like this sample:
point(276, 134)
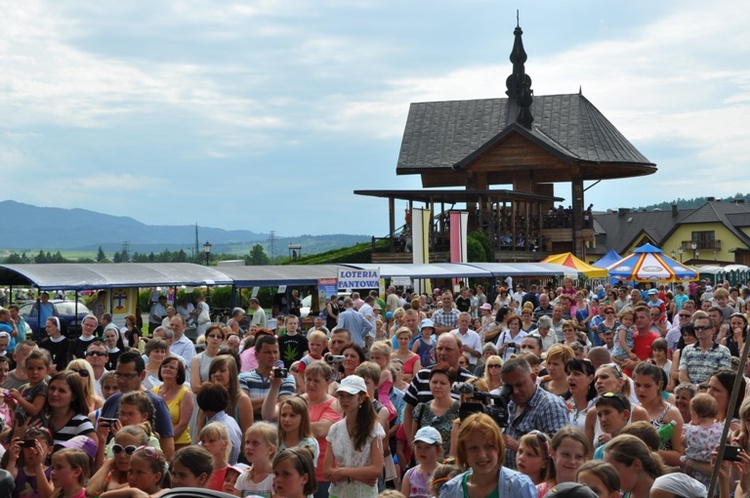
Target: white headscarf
point(681, 485)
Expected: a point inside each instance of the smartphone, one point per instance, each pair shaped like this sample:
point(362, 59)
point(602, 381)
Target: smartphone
point(108, 421)
point(732, 453)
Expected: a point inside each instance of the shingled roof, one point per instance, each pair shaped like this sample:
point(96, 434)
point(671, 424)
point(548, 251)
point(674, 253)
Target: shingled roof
point(441, 135)
point(622, 229)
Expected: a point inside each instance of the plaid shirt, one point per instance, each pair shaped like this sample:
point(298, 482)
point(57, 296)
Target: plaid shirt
point(545, 412)
point(441, 318)
point(701, 365)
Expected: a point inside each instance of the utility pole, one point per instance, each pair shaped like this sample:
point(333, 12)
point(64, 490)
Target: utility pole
point(272, 243)
point(195, 250)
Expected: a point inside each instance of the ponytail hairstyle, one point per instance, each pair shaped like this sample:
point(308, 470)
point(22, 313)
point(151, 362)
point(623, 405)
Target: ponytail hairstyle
point(653, 371)
point(299, 407)
point(625, 449)
point(366, 419)
point(196, 459)
point(77, 459)
point(605, 472)
point(301, 458)
point(143, 403)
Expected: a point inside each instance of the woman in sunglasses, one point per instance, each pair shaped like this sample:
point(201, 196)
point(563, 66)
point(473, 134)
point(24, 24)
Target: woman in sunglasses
point(83, 368)
point(606, 321)
point(113, 473)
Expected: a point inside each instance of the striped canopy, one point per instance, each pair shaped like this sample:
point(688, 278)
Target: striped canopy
point(649, 264)
point(568, 259)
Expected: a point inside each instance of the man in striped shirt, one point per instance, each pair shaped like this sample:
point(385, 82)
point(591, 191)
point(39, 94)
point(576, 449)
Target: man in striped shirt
point(448, 350)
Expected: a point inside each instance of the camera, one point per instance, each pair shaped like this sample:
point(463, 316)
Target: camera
point(334, 358)
point(280, 373)
point(108, 421)
point(494, 405)
point(511, 345)
point(28, 443)
point(732, 453)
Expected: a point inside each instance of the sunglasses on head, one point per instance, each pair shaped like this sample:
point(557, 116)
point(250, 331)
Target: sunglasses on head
point(80, 371)
point(617, 397)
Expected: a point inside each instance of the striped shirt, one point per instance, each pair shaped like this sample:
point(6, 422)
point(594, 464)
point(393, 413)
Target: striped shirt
point(419, 389)
point(79, 425)
point(257, 386)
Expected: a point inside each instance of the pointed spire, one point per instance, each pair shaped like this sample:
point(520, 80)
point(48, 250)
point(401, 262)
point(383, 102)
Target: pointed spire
point(519, 83)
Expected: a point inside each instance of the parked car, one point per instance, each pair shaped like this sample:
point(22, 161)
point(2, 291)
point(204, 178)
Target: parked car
point(64, 310)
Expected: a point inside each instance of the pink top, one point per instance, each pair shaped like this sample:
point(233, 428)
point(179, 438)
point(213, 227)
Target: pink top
point(409, 364)
point(320, 412)
point(249, 360)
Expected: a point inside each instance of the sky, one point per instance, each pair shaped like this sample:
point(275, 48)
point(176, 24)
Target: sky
point(267, 115)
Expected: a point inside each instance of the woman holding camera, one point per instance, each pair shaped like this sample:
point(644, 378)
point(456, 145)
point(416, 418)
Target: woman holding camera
point(441, 410)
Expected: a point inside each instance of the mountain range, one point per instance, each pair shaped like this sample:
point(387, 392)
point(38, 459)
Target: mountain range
point(30, 228)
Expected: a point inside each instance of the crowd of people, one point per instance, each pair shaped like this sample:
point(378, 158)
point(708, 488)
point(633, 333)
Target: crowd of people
point(564, 391)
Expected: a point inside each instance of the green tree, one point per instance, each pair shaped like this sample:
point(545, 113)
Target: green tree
point(100, 256)
point(257, 256)
point(40, 258)
point(14, 259)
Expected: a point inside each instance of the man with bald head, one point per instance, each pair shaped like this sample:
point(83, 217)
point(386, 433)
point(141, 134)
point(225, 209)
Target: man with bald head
point(447, 351)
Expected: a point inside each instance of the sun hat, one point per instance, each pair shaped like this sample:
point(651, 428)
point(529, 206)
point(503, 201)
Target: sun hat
point(84, 443)
point(428, 435)
point(486, 306)
point(427, 323)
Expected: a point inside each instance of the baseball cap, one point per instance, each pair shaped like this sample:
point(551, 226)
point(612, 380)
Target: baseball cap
point(353, 384)
point(84, 443)
point(652, 292)
point(571, 490)
point(388, 315)
point(486, 306)
point(428, 435)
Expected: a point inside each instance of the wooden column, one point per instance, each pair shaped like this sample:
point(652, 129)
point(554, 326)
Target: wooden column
point(391, 221)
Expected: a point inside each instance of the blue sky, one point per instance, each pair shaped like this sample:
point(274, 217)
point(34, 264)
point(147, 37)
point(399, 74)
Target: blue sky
point(266, 115)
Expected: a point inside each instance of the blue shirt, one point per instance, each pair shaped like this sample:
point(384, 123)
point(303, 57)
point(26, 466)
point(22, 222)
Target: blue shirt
point(162, 417)
point(355, 323)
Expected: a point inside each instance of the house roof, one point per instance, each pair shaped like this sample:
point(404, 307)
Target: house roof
point(621, 233)
point(441, 135)
point(719, 212)
point(659, 225)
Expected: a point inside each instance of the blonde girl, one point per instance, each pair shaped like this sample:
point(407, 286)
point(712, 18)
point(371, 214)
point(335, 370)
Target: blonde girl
point(215, 438)
point(261, 442)
point(380, 354)
point(70, 469)
point(146, 476)
point(83, 368)
point(533, 458)
point(113, 473)
point(190, 467)
point(294, 473)
point(33, 397)
point(492, 367)
point(294, 426)
point(28, 465)
point(355, 444)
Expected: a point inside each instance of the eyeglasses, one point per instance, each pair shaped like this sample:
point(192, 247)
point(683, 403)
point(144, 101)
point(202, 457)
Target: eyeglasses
point(702, 327)
point(96, 353)
point(609, 312)
point(126, 376)
point(685, 315)
point(494, 365)
point(118, 448)
point(216, 336)
point(82, 372)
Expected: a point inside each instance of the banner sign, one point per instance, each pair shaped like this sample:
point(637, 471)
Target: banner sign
point(327, 290)
point(350, 278)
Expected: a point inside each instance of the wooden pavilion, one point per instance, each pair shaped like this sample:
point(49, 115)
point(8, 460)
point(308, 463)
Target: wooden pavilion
point(527, 141)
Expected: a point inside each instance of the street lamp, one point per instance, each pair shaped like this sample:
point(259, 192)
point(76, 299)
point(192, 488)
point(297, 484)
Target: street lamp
point(207, 251)
point(680, 250)
point(673, 254)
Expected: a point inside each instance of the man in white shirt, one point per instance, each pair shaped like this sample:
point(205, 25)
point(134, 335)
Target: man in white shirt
point(472, 344)
point(368, 312)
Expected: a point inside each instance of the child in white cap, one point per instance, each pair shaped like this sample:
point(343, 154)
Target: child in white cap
point(427, 447)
